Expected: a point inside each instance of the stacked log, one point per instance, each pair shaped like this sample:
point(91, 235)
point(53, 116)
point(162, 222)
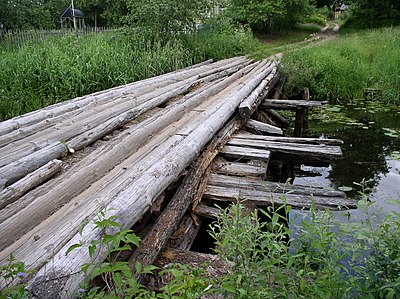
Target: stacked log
point(123, 176)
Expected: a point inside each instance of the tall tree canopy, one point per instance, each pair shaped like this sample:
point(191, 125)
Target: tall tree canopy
point(166, 15)
point(268, 14)
point(377, 12)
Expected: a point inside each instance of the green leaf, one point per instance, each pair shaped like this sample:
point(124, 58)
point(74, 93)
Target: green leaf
point(72, 247)
point(138, 267)
point(345, 188)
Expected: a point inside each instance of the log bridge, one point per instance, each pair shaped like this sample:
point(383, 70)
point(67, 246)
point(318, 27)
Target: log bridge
point(157, 154)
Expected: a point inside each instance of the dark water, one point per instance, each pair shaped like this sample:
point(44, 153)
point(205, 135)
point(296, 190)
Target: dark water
point(371, 150)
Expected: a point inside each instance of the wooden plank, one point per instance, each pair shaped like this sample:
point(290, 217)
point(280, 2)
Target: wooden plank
point(239, 152)
point(265, 198)
point(289, 104)
point(275, 187)
point(261, 127)
point(246, 135)
point(299, 149)
point(238, 169)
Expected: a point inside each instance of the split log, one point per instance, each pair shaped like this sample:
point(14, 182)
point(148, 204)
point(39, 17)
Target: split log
point(288, 104)
point(311, 151)
point(15, 191)
point(261, 127)
point(238, 169)
point(246, 153)
point(266, 198)
point(326, 141)
point(274, 187)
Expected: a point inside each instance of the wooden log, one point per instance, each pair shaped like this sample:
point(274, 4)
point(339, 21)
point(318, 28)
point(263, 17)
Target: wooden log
point(246, 153)
point(139, 195)
point(186, 233)
point(238, 169)
point(326, 141)
point(15, 191)
point(261, 127)
point(248, 105)
point(60, 194)
point(15, 170)
point(61, 108)
point(206, 211)
point(212, 264)
point(266, 198)
point(252, 184)
point(278, 118)
point(166, 224)
point(288, 104)
point(95, 120)
point(310, 150)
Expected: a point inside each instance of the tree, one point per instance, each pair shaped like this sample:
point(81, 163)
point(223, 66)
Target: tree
point(166, 16)
point(105, 13)
point(377, 13)
point(268, 14)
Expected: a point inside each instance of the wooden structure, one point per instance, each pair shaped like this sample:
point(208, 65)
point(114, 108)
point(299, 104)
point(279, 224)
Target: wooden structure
point(163, 148)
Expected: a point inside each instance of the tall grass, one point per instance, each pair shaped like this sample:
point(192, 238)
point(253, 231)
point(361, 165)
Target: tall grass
point(342, 68)
point(41, 74)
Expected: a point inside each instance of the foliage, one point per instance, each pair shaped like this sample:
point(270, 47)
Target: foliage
point(322, 256)
point(104, 13)
point(371, 13)
point(342, 69)
point(166, 16)
point(12, 275)
point(41, 74)
point(266, 15)
point(118, 277)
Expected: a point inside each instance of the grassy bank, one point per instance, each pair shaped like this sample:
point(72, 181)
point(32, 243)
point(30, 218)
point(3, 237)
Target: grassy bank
point(343, 68)
point(41, 74)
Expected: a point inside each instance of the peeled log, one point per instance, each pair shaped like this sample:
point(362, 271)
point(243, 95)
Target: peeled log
point(60, 194)
point(139, 195)
point(15, 191)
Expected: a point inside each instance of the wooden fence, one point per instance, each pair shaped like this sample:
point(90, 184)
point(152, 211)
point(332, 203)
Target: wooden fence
point(20, 37)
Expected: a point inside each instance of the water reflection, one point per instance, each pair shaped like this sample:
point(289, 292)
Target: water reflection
point(367, 150)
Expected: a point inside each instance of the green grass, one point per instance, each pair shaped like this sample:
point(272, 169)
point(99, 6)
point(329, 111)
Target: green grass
point(342, 68)
point(40, 74)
